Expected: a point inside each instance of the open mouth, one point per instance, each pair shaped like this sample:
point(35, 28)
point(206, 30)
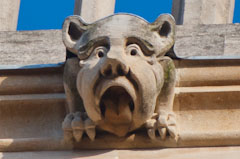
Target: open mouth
point(117, 100)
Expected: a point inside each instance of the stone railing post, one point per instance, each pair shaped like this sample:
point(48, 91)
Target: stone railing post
point(9, 14)
point(203, 11)
point(92, 10)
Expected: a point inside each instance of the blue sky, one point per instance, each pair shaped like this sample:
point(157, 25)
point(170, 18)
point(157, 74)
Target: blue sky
point(45, 14)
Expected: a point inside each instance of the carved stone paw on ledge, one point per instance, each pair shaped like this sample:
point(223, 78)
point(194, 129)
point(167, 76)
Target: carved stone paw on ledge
point(162, 125)
point(75, 125)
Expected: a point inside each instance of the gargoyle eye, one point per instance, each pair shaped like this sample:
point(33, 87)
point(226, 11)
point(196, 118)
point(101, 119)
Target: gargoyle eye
point(101, 51)
point(133, 52)
point(100, 54)
point(133, 49)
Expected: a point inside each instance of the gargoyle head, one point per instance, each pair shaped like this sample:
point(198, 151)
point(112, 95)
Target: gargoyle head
point(120, 76)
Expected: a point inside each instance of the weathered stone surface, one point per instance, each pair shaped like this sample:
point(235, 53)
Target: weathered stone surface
point(208, 40)
point(206, 100)
point(31, 47)
point(9, 14)
point(44, 110)
point(186, 153)
point(32, 106)
point(92, 10)
point(206, 94)
point(188, 12)
point(206, 97)
point(35, 83)
point(197, 73)
point(41, 47)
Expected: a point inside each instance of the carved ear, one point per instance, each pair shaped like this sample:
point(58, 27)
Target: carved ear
point(73, 28)
point(164, 25)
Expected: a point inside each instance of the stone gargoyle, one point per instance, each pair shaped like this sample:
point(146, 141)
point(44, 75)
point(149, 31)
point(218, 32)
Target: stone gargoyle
point(120, 79)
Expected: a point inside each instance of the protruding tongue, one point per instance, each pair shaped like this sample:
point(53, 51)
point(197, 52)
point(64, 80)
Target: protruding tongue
point(118, 104)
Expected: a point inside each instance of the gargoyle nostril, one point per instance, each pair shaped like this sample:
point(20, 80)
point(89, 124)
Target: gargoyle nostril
point(108, 72)
point(114, 68)
point(120, 70)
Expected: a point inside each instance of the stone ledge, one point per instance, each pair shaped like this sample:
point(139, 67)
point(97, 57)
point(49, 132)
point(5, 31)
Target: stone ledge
point(206, 105)
point(170, 153)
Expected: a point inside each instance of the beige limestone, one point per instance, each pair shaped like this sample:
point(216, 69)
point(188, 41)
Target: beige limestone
point(170, 153)
point(209, 41)
point(9, 14)
point(206, 102)
point(92, 10)
point(27, 84)
point(119, 96)
point(31, 47)
point(32, 107)
point(206, 105)
point(188, 12)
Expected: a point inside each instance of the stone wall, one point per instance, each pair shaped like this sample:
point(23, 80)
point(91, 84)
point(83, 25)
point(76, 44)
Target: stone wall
point(46, 46)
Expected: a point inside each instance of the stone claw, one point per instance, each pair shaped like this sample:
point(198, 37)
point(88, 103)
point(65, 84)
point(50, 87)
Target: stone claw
point(77, 126)
point(165, 124)
point(172, 131)
point(90, 129)
point(67, 129)
point(151, 127)
point(78, 135)
point(152, 134)
point(162, 132)
point(91, 133)
point(74, 126)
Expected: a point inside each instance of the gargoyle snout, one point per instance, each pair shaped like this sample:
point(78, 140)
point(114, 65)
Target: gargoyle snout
point(114, 67)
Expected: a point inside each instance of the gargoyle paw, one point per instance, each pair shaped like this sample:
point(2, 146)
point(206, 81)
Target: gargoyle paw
point(74, 126)
point(164, 123)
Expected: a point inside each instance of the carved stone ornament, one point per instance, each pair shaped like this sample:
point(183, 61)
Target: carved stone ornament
point(120, 80)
